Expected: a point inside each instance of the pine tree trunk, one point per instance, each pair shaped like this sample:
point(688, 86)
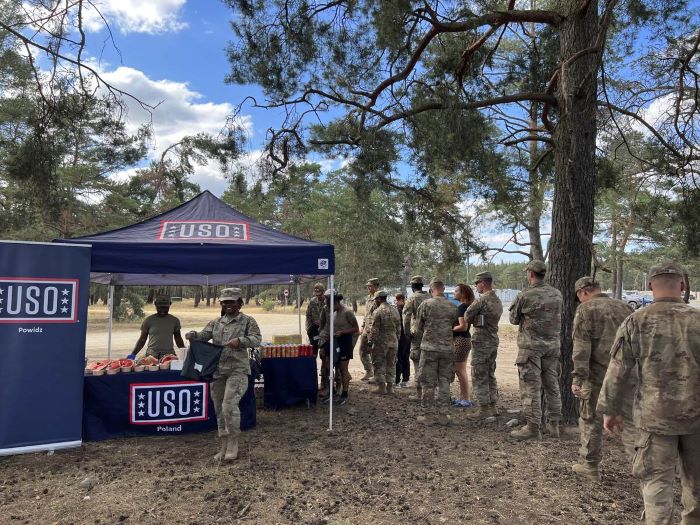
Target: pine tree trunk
point(575, 175)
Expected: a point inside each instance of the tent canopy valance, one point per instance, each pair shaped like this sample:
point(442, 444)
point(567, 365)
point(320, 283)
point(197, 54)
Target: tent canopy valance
point(204, 241)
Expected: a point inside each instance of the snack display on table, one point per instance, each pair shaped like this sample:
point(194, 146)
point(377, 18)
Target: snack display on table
point(165, 361)
point(272, 350)
point(150, 362)
point(127, 365)
point(97, 368)
point(114, 367)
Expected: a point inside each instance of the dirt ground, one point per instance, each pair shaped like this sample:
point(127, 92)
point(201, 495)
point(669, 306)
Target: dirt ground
point(378, 466)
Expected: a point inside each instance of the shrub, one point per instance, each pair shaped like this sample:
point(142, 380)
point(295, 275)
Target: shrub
point(268, 305)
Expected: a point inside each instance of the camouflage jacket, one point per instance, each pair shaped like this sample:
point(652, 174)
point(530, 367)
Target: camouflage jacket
point(595, 325)
point(313, 313)
point(410, 313)
point(434, 323)
point(662, 342)
point(385, 328)
point(224, 329)
point(370, 305)
point(490, 306)
point(537, 311)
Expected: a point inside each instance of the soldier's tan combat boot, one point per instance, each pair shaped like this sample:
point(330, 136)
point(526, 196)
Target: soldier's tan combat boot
point(381, 388)
point(369, 374)
point(222, 451)
point(529, 431)
point(418, 395)
point(231, 448)
point(494, 409)
point(390, 388)
point(481, 412)
point(587, 470)
point(553, 428)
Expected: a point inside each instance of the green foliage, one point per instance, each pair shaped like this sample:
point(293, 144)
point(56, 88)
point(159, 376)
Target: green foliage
point(268, 305)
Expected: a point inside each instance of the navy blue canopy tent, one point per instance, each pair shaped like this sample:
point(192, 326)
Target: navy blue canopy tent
point(204, 242)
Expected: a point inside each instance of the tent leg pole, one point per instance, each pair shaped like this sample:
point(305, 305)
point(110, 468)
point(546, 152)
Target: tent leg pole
point(331, 360)
point(299, 308)
point(110, 307)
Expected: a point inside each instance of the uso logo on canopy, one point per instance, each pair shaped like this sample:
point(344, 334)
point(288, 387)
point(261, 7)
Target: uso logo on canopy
point(177, 402)
point(38, 300)
point(203, 230)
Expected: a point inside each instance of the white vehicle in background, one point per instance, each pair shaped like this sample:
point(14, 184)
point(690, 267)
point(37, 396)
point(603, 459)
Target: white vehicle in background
point(634, 299)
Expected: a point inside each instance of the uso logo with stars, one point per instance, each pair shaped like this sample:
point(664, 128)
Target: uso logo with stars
point(38, 300)
point(203, 231)
point(174, 402)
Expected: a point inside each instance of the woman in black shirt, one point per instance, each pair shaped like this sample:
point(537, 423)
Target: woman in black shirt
point(462, 344)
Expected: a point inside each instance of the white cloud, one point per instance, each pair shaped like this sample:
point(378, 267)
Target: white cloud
point(180, 112)
point(136, 16)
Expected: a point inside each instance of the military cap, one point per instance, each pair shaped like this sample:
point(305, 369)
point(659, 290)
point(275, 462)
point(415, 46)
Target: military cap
point(373, 281)
point(417, 279)
point(380, 293)
point(666, 268)
point(319, 286)
point(436, 280)
point(536, 266)
point(338, 296)
point(230, 294)
point(162, 300)
point(481, 276)
point(586, 281)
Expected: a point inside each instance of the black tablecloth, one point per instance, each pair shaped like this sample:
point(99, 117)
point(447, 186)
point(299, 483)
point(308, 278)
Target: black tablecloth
point(289, 381)
point(152, 403)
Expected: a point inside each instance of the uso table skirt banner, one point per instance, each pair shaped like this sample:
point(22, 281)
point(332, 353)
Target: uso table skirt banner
point(43, 316)
point(159, 403)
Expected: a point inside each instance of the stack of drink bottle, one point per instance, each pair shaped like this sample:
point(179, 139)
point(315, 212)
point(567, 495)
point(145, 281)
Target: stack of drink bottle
point(269, 350)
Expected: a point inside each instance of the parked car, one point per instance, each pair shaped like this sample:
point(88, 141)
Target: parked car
point(634, 299)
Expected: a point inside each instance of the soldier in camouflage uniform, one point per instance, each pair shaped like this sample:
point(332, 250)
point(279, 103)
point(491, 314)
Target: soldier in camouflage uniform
point(365, 350)
point(435, 319)
point(483, 315)
point(383, 337)
point(537, 311)
point(313, 315)
point(410, 313)
point(597, 319)
point(662, 343)
point(237, 332)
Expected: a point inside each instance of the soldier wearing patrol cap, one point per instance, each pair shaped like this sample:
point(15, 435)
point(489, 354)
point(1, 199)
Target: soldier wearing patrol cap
point(383, 338)
point(410, 313)
point(365, 351)
point(537, 312)
point(597, 319)
point(484, 314)
point(661, 343)
point(159, 329)
point(313, 315)
point(236, 332)
point(435, 319)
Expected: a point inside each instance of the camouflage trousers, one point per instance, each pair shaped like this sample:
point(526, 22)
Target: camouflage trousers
point(535, 372)
point(384, 362)
point(484, 373)
point(436, 369)
point(655, 460)
point(415, 357)
point(365, 353)
point(590, 424)
point(227, 389)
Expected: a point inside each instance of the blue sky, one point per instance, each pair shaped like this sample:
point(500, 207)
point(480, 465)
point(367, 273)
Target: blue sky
point(174, 51)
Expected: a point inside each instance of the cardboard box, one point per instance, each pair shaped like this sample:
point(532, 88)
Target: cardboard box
point(294, 339)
